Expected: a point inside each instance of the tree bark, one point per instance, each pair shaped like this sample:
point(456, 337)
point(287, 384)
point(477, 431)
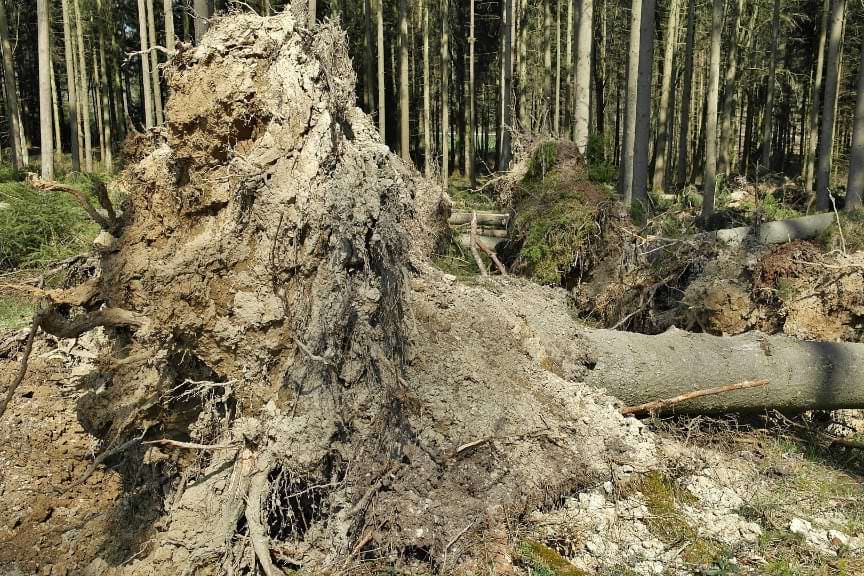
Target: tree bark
point(71, 88)
point(570, 69)
point(663, 114)
point(686, 98)
point(643, 107)
point(313, 13)
point(154, 64)
point(83, 89)
point(445, 94)
point(802, 375)
point(168, 9)
point(582, 105)
point(711, 118)
point(12, 110)
point(768, 120)
point(382, 87)
point(730, 95)
point(625, 170)
point(404, 84)
point(46, 135)
point(557, 119)
point(547, 65)
point(855, 186)
point(815, 99)
point(55, 107)
point(202, 14)
point(832, 80)
point(108, 153)
point(472, 112)
point(147, 91)
point(427, 97)
point(506, 88)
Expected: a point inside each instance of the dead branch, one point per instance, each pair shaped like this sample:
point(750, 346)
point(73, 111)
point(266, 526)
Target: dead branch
point(131, 55)
point(55, 324)
point(657, 405)
point(257, 533)
point(189, 445)
point(474, 242)
point(22, 369)
point(498, 264)
point(109, 223)
point(108, 454)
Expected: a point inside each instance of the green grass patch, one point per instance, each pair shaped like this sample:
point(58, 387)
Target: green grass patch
point(15, 312)
point(541, 560)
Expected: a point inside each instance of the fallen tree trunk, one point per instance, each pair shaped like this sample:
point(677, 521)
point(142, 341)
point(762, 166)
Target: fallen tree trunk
point(779, 231)
point(803, 375)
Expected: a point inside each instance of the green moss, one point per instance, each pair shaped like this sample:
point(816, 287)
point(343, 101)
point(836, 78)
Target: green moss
point(542, 560)
point(15, 313)
point(543, 160)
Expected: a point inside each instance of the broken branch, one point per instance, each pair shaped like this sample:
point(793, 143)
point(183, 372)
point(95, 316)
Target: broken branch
point(108, 223)
point(22, 369)
point(474, 243)
point(189, 445)
point(657, 405)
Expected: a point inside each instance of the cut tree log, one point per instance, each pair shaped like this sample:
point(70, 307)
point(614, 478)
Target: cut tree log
point(803, 375)
point(488, 218)
point(779, 231)
point(658, 405)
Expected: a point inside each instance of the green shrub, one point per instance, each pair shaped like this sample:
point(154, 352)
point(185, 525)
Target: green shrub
point(40, 227)
point(600, 170)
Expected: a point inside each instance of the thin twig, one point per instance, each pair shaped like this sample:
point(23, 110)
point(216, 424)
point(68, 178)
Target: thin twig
point(22, 369)
point(839, 226)
point(107, 454)
point(189, 445)
point(473, 242)
point(657, 405)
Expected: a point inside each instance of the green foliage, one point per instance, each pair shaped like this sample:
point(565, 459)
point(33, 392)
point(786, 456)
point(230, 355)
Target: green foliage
point(14, 312)
point(38, 227)
point(542, 560)
point(852, 224)
point(600, 170)
point(543, 159)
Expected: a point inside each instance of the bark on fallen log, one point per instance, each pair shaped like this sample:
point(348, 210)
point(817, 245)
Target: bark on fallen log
point(487, 218)
point(779, 231)
point(803, 375)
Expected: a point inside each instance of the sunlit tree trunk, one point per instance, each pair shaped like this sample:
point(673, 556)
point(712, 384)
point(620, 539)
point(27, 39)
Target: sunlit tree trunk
point(427, 97)
point(202, 14)
point(147, 91)
point(83, 89)
point(382, 87)
point(686, 98)
point(832, 78)
point(711, 113)
point(313, 13)
point(404, 85)
point(643, 105)
point(507, 88)
point(71, 88)
point(168, 9)
point(12, 110)
point(768, 120)
point(855, 185)
point(570, 69)
point(108, 154)
point(154, 64)
point(582, 105)
point(625, 170)
point(548, 110)
point(730, 95)
point(663, 113)
point(557, 107)
point(445, 94)
point(46, 136)
point(815, 101)
point(369, 60)
point(97, 100)
point(55, 106)
point(472, 120)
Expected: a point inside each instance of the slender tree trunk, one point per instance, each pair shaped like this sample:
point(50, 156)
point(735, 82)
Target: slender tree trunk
point(547, 65)
point(855, 186)
point(472, 120)
point(71, 88)
point(570, 68)
point(625, 170)
point(97, 99)
point(768, 121)
point(147, 91)
point(582, 106)
point(12, 110)
point(46, 136)
point(404, 86)
point(686, 98)
point(730, 95)
point(445, 94)
point(313, 14)
point(815, 100)
point(663, 122)
point(507, 88)
point(643, 105)
point(202, 14)
point(168, 9)
point(369, 64)
point(83, 89)
point(382, 87)
point(557, 119)
point(108, 157)
point(427, 100)
point(711, 113)
point(522, 75)
point(154, 64)
point(832, 79)
point(55, 106)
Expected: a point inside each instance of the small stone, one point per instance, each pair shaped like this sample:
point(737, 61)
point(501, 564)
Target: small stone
point(838, 538)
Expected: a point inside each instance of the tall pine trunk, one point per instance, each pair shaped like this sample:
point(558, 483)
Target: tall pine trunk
point(369, 60)
point(855, 186)
point(168, 10)
point(404, 86)
point(582, 105)
point(313, 13)
point(202, 14)
point(832, 79)
point(686, 98)
point(154, 64)
point(472, 120)
point(147, 91)
point(427, 97)
point(711, 112)
point(108, 158)
point(730, 95)
point(506, 88)
point(83, 89)
point(768, 120)
point(71, 88)
point(445, 94)
point(625, 170)
point(815, 100)
point(12, 111)
point(643, 107)
point(382, 87)
point(663, 114)
point(46, 136)
point(557, 119)
point(570, 68)
point(547, 65)
point(55, 107)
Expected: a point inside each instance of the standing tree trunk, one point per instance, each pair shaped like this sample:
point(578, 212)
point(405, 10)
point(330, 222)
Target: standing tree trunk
point(369, 60)
point(768, 120)
point(154, 64)
point(832, 79)
point(71, 88)
point(46, 142)
point(625, 170)
point(202, 14)
point(711, 113)
point(12, 110)
point(382, 87)
point(147, 91)
point(547, 65)
point(83, 89)
point(445, 94)
point(55, 107)
point(582, 106)
point(643, 107)
point(855, 186)
point(404, 86)
point(570, 69)
point(686, 98)
point(507, 88)
point(663, 114)
point(816, 95)
point(557, 119)
point(168, 9)
point(313, 14)
point(108, 157)
point(427, 99)
point(472, 120)
point(730, 95)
